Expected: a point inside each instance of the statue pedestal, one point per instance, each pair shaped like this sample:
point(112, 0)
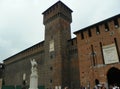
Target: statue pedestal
point(33, 76)
point(33, 81)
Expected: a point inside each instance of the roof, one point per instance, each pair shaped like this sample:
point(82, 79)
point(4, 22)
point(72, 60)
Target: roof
point(42, 42)
point(55, 5)
point(101, 22)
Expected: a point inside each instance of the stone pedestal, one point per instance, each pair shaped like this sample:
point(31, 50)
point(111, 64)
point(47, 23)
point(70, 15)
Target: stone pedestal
point(33, 81)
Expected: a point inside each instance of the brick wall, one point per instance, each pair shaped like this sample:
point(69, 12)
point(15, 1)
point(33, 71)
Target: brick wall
point(90, 42)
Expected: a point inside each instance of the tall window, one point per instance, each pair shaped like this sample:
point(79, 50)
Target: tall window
point(117, 48)
point(97, 30)
point(93, 55)
point(102, 53)
point(82, 36)
point(106, 27)
point(116, 23)
point(89, 32)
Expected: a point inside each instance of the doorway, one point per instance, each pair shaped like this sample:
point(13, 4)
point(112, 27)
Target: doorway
point(113, 76)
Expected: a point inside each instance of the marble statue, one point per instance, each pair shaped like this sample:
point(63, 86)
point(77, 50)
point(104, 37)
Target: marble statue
point(34, 66)
point(34, 75)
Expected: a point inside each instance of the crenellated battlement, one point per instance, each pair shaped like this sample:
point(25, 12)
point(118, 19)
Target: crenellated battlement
point(25, 53)
point(102, 27)
point(59, 9)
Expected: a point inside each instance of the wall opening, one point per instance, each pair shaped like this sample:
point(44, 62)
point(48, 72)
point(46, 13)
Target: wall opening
point(113, 77)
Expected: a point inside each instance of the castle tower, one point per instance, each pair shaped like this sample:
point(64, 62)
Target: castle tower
point(57, 20)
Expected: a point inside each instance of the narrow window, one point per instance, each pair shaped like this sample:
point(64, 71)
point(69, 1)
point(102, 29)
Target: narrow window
point(82, 36)
point(102, 53)
point(97, 30)
point(117, 48)
point(106, 27)
point(51, 68)
point(52, 55)
point(51, 81)
point(93, 55)
point(56, 5)
point(116, 23)
point(89, 32)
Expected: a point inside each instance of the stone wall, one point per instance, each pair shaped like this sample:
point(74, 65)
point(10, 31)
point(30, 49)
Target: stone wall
point(19, 64)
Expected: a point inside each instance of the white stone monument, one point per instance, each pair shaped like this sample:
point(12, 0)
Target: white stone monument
point(34, 75)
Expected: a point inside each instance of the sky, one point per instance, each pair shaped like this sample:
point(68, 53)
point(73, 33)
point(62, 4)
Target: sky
point(21, 21)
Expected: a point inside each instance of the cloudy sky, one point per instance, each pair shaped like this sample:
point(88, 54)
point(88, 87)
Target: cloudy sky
point(21, 21)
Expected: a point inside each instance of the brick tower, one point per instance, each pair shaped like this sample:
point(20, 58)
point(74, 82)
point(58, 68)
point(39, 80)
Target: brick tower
point(57, 20)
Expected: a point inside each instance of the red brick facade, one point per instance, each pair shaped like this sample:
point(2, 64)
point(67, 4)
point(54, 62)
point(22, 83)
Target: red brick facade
point(90, 42)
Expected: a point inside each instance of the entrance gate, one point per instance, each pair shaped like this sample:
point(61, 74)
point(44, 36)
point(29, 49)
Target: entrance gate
point(113, 76)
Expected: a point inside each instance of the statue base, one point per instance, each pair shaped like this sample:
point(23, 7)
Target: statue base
point(34, 81)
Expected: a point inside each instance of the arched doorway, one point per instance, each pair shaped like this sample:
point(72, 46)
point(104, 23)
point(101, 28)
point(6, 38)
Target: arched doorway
point(113, 76)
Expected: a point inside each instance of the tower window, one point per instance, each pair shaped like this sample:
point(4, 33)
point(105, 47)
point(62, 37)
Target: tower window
point(97, 30)
point(116, 23)
point(51, 68)
point(52, 55)
point(51, 81)
point(89, 32)
point(82, 36)
point(106, 27)
point(93, 55)
point(102, 53)
point(117, 48)
point(51, 37)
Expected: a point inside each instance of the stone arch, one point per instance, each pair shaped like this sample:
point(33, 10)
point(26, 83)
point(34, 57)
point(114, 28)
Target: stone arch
point(113, 76)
